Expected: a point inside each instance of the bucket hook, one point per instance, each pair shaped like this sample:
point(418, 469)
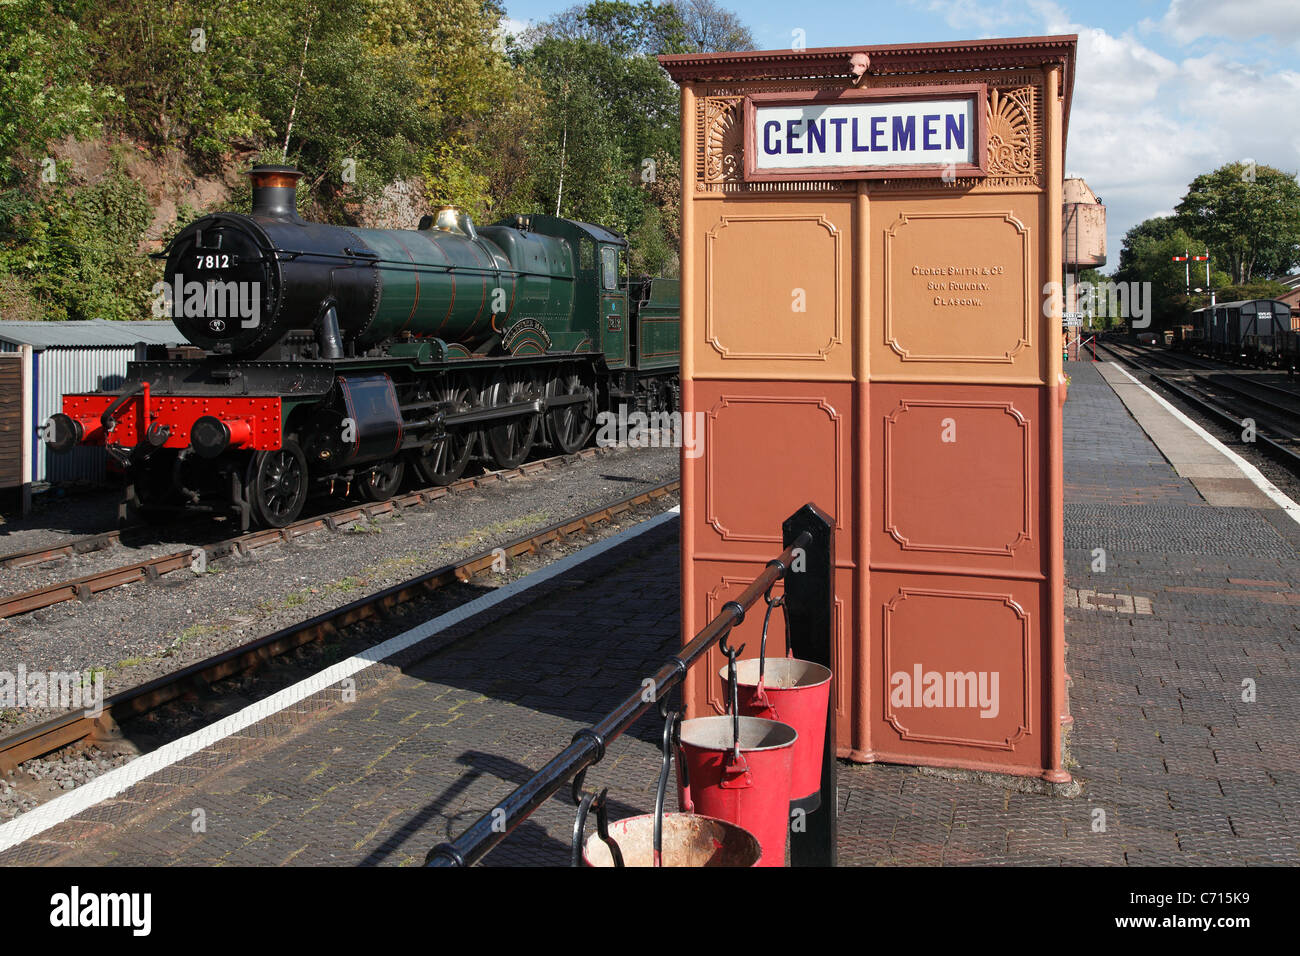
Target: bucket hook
point(672, 745)
point(760, 692)
point(600, 802)
point(734, 763)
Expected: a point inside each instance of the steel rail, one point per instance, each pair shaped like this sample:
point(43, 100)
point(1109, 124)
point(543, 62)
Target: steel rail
point(82, 545)
point(1250, 391)
point(1270, 446)
point(71, 728)
point(150, 569)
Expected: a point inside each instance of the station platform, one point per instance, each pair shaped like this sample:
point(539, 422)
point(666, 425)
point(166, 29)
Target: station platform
point(1183, 657)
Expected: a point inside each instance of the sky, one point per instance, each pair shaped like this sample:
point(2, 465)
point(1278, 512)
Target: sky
point(1164, 89)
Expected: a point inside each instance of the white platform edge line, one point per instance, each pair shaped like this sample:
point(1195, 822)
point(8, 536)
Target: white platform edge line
point(1246, 468)
point(68, 805)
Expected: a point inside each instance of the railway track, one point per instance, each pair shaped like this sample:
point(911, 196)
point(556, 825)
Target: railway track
point(150, 569)
point(75, 727)
point(83, 545)
point(1283, 445)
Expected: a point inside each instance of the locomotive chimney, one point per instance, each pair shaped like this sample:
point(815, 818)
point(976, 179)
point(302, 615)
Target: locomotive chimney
point(275, 191)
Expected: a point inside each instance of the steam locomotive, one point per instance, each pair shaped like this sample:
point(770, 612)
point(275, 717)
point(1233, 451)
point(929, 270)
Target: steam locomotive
point(333, 359)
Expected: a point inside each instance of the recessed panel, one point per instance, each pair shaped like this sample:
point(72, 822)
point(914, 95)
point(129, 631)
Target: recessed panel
point(775, 298)
point(957, 669)
point(957, 472)
point(768, 449)
point(957, 289)
point(720, 582)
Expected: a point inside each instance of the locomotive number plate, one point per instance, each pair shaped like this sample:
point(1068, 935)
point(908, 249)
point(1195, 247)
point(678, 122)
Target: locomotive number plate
point(216, 260)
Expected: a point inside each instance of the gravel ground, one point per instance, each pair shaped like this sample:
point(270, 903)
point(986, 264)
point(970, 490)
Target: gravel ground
point(43, 779)
point(59, 514)
point(93, 513)
point(135, 544)
point(140, 631)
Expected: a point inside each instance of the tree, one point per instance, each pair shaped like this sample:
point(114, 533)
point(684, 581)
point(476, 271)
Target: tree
point(712, 29)
point(610, 108)
point(1158, 227)
point(45, 93)
point(626, 29)
point(1250, 217)
point(1150, 249)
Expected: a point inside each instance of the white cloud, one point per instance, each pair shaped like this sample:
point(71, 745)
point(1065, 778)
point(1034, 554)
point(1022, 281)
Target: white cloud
point(1142, 125)
point(976, 15)
point(1277, 21)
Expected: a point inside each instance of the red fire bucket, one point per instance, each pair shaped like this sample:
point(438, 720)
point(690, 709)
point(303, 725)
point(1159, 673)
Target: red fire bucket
point(794, 692)
point(750, 788)
point(688, 840)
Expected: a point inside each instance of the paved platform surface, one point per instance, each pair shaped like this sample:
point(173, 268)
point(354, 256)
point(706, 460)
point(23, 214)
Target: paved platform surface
point(1218, 480)
point(1194, 600)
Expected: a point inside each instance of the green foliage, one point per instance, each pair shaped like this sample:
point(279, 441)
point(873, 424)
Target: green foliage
point(1100, 318)
point(45, 93)
point(79, 250)
point(1248, 215)
point(1259, 289)
point(1158, 227)
point(1150, 259)
point(357, 93)
point(651, 254)
point(451, 180)
point(609, 108)
point(1246, 218)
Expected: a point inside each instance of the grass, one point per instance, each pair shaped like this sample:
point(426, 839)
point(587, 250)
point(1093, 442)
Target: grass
point(393, 564)
point(499, 527)
point(198, 630)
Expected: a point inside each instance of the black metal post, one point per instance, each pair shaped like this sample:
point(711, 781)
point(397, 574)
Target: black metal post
point(810, 611)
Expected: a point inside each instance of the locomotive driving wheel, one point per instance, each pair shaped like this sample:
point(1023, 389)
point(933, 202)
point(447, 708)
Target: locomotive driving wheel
point(570, 424)
point(277, 484)
point(444, 461)
point(382, 481)
point(509, 443)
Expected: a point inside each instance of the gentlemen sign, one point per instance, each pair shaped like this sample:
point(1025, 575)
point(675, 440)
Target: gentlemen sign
point(866, 134)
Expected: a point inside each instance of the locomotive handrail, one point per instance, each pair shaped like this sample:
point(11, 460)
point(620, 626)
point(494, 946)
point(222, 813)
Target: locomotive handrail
point(107, 417)
point(809, 600)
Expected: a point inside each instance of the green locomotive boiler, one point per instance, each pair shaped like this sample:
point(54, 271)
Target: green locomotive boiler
point(330, 358)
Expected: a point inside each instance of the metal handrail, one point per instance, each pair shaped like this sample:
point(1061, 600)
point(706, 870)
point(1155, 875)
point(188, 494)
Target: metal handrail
point(590, 743)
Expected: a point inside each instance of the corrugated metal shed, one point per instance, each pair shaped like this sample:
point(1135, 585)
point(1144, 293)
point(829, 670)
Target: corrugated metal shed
point(71, 357)
point(90, 334)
